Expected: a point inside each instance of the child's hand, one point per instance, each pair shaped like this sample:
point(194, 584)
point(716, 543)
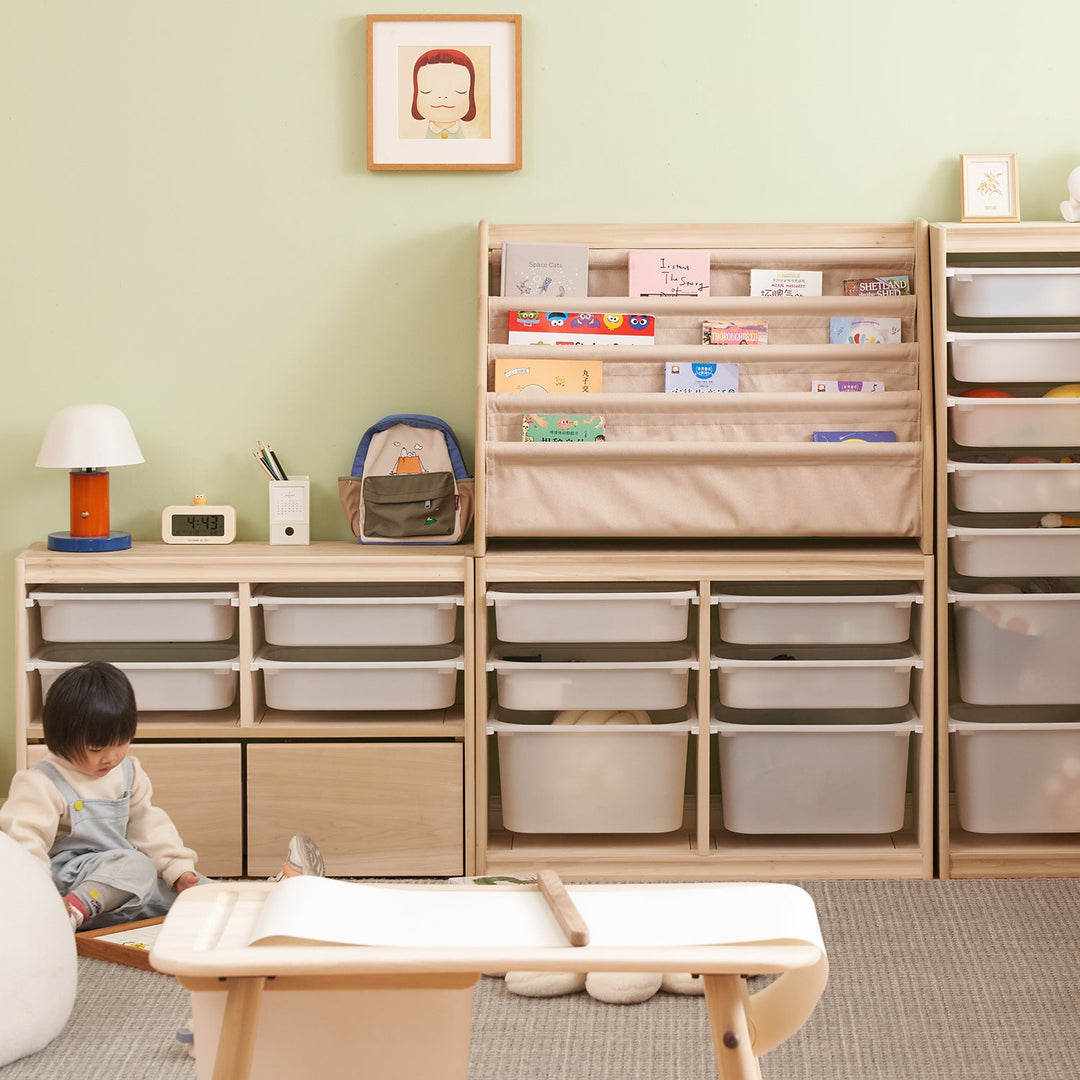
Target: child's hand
point(185, 881)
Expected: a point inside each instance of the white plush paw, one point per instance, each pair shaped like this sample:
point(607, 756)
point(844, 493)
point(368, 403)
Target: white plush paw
point(675, 982)
point(544, 983)
point(622, 987)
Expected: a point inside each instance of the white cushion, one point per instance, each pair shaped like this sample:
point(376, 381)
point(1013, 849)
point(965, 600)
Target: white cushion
point(38, 950)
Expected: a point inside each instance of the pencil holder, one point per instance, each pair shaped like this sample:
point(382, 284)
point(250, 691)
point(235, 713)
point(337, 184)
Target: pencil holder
point(290, 514)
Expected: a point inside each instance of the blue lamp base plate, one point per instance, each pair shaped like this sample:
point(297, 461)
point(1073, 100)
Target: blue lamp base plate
point(64, 541)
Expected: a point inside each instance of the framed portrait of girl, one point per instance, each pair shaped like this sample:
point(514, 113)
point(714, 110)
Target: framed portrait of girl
point(444, 91)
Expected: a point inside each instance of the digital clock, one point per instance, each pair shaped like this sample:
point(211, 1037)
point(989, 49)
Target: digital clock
point(198, 524)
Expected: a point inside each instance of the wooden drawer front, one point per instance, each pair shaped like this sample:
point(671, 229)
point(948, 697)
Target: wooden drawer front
point(199, 787)
point(375, 809)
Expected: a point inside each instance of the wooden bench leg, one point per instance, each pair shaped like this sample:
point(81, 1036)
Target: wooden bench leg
point(236, 1046)
point(727, 998)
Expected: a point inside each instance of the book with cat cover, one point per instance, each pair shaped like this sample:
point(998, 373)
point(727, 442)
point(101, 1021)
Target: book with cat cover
point(551, 270)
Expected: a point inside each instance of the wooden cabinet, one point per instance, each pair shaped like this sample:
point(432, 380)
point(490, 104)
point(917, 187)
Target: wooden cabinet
point(385, 791)
point(1006, 301)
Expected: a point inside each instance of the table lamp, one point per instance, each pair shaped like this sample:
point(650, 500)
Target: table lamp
point(87, 439)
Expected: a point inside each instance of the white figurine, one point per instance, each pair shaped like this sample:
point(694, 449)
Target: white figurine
point(1070, 208)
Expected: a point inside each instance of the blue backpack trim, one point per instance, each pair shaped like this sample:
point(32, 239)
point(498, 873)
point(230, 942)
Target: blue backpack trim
point(453, 447)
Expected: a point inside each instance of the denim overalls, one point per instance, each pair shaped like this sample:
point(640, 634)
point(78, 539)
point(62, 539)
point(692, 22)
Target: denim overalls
point(97, 849)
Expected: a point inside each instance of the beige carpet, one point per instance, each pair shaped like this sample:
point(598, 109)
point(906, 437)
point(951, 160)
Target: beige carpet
point(930, 981)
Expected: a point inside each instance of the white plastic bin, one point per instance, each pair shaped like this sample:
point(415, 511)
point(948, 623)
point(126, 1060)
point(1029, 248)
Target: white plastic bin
point(562, 676)
point(1016, 770)
point(1014, 292)
point(166, 677)
point(360, 679)
point(126, 613)
point(816, 613)
point(600, 612)
point(1006, 358)
point(781, 774)
point(584, 779)
point(986, 548)
point(1017, 648)
point(359, 614)
point(1014, 487)
point(758, 677)
point(1015, 421)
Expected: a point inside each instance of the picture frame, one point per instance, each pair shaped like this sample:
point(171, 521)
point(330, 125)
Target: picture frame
point(126, 943)
point(444, 92)
point(989, 187)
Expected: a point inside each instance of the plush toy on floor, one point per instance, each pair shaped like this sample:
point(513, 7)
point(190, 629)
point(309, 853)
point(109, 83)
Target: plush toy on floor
point(38, 947)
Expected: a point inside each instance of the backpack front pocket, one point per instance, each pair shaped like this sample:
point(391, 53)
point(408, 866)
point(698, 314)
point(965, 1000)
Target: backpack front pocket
point(409, 506)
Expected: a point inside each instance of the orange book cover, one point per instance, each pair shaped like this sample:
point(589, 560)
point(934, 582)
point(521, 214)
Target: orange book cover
point(548, 376)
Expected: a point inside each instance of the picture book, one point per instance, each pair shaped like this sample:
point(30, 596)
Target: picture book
point(666, 272)
point(859, 330)
point(579, 328)
point(726, 332)
point(545, 376)
point(888, 285)
point(832, 386)
point(698, 377)
point(561, 427)
point(785, 282)
point(535, 269)
point(854, 436)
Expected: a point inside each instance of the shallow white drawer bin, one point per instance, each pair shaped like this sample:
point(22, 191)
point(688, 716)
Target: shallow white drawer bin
point(592, 676)
point(984, 551)
point(1016, 770)
point(1006, 358)
point(1016, 421)
point(1014, 487)
point(359, 614)
point(135, 612)
point(586, 779)
point(816, 613)
point(807, 778)
point(352, 679)
point(591, 613)
point(755, 677)
point(166, 677)
point(1017, 648)
point(1014, 292)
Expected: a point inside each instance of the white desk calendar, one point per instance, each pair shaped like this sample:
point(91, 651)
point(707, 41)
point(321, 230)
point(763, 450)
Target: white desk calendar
point(198, 524)
point(289, 511)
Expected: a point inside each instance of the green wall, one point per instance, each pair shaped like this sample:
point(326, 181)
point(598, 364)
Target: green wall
point(189, 230)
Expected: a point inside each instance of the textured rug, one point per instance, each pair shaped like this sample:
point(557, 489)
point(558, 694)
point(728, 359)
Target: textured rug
point(953, 980)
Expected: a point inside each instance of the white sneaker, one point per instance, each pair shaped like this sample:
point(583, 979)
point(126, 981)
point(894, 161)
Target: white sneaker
point(304, 859)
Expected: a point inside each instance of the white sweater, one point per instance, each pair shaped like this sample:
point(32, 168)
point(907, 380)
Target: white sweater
point(36, 813)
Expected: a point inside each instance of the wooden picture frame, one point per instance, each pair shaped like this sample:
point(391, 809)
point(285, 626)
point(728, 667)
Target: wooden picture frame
point(120, 944)
point(989, 187)
point(444, 92)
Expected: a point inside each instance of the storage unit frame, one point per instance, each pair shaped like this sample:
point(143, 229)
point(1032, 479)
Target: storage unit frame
point(1057, 244)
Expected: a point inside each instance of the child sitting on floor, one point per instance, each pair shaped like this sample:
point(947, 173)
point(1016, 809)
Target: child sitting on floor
point(85, 810)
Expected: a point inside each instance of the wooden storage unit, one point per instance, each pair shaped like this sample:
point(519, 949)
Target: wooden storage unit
point(702, 847)
point(717, 465)
point(422, 758)
point(1023, 334)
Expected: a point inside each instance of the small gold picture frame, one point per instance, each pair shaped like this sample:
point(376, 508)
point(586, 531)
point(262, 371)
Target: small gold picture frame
point(989, 188)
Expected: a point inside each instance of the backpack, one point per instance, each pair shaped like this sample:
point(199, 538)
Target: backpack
point(409, 483)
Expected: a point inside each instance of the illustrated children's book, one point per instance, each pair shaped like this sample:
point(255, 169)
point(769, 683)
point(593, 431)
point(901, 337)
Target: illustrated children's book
point(561, 427)
point(854, 436)
point(578, 328)
point(726, 332)
point(859, 330)
point(832, 386)
point(555, 270)
point(666, 272)
point(889, 285)
point(548, 376)
point(698, 377)
point(785, 282)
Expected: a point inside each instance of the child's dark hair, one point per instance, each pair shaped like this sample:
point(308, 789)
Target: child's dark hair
point(87, 708)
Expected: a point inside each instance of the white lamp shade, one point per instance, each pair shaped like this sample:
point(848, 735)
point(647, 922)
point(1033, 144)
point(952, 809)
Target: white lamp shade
point(89, 437)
